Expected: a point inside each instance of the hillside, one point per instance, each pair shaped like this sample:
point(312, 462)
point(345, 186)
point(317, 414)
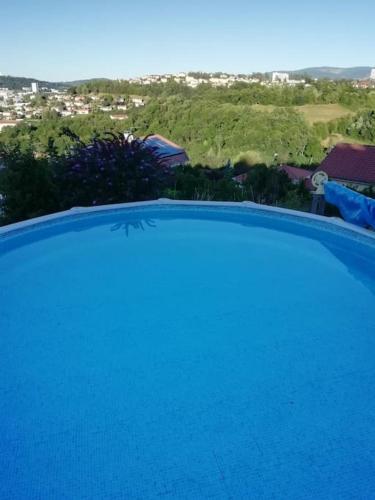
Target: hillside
point(332, 73)
point(17, 82)
point(323, 113)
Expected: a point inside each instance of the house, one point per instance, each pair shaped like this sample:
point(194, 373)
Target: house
point(297, 175)
point(352, 165)
point(170, 154)
point(7, 123)
point(137, 101)
point(119, 117)
point(278, 77)
point(240, 178)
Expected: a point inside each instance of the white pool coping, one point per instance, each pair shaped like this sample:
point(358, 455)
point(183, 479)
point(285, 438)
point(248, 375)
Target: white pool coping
point(330, 221)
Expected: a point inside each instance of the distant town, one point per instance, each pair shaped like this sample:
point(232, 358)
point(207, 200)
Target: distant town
point(32, 102)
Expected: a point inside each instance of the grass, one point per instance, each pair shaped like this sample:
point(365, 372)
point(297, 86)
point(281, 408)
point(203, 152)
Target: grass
point(315, 113)
point(334, 139)
point(267, 108)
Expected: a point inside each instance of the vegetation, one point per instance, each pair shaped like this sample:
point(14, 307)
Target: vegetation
point(212, 133)
point(316, 113)
point(271, 124)
point(47, 136)
point(108, 171)
point(18, 82)
point(320, 92)
point(252, 127)
point(103, 171)
point(27, 185)
point(115, 170)
point(274, 123)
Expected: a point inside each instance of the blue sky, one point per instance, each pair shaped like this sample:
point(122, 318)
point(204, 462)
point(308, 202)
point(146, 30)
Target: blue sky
point(69, 40)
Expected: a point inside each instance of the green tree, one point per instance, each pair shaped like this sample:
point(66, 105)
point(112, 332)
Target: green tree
point(27, 186)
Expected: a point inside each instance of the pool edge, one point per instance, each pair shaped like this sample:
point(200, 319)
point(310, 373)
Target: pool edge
point(13, 229)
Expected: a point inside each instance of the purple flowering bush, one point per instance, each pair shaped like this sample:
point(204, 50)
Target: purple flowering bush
point(113, 170)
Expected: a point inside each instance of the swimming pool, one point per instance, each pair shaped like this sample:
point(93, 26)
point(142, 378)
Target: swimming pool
point(187, 351)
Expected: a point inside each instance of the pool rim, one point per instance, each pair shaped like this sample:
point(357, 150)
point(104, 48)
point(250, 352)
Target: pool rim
point(328, 223)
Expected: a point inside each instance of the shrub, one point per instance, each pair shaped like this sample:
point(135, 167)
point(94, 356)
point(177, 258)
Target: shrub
point(112, 170)
point(266, 184)
point(27, 186)
point(104, 171)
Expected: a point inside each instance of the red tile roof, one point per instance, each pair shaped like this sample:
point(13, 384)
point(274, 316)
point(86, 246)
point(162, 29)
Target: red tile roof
point(295, 173)
point(351, 162)
point(240, 178)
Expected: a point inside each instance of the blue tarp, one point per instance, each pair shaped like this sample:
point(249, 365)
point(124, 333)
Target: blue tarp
point(354, 207)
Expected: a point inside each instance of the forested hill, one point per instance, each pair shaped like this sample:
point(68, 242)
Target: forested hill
point(322, 92)
point(17, 82)
point(255, 124)
point(332, 73)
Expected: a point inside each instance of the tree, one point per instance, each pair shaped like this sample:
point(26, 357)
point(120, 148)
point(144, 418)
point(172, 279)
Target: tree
point(266, 184)
point(27, 186)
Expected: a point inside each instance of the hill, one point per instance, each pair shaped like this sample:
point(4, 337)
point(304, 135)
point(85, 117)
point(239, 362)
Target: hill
point(17, 82)
point(332, 73)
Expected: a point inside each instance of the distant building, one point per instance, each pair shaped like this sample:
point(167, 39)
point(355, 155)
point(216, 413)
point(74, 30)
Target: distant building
point(170, 154)
point(4, 93)
point(372, 75)
point(34, 87)
point(363, 84)
point(278, 77)
point(137, 101)
point(7, 123)
point(351, 164)
point(119, 117)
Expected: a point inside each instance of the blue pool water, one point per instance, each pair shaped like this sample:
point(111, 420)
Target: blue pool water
point(171, 352)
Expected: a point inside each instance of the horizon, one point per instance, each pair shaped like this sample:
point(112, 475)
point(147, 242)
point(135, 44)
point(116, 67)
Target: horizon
point(296, 70)
point(71, 41)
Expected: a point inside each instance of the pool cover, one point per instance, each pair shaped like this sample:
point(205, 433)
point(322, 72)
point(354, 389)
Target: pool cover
point(354, 207)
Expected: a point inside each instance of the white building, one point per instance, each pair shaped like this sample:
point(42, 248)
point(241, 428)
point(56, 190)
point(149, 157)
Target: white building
point(34, 87)
point(4, 94)
point(372, 75)
point(137, 101)
point(7, 123)
point(280, 77)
